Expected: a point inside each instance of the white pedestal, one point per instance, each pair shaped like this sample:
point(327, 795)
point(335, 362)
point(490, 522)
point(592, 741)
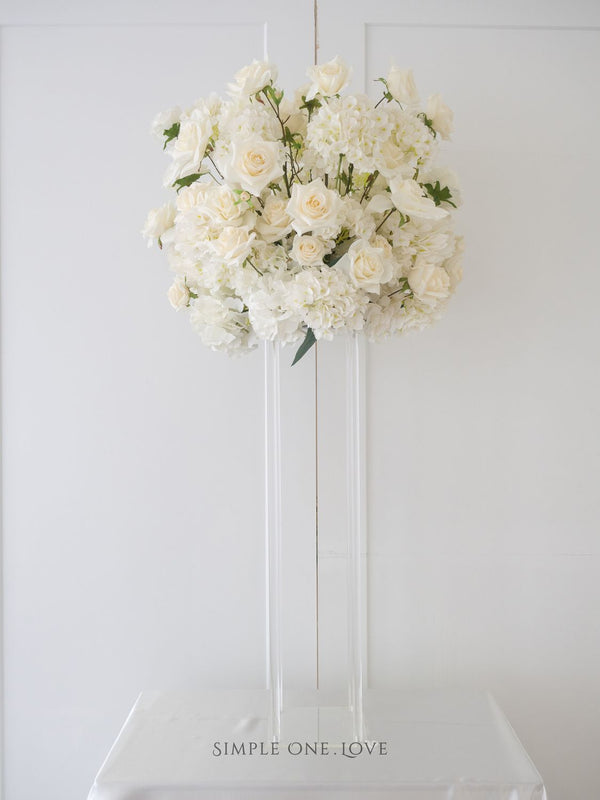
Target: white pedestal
point(429, 745)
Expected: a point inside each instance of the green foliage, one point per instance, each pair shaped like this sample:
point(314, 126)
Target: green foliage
point(439, 194)
point(193, 295)
point(426, 121)
point(171, 133)
point(404, 288)
point(307, 343)
point(293, 140)
point(387, 95)
point(272, 94)
point(346, 179)
point(246, 200)
point(188, 180)
point(310, 105)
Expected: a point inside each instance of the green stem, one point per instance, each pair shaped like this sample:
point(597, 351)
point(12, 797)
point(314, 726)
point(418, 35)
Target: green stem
point(254, 267)
point(294, 173)
point(349, 184)
point(337, 180)
point(369, 185)
point(387, 216)
point(210, 158)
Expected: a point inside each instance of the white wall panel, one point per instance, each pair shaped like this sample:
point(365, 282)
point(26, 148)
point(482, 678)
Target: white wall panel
point(133, 457)
point(484, 447)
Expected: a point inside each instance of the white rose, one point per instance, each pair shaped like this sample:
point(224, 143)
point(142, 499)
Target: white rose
point(453, 267)
point(382, 243)
point(409, 199)
point(193, 196)
point(367, 266)
point(380, 203)
point(430, 284)
point(314, 207)
point(254, 164)
point(224, 206)
point(392, 159)
point(296, 119)
point(252, 78)
point(402, 87)
point(308, 251)
point(233, 244)
point(328, 79)
point(441, 116)
point(158, 221)
point(179, 294)
point(274, 222)
point(189, 147)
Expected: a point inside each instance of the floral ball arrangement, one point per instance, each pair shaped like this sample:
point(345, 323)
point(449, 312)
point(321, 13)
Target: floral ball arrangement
point(295, 218)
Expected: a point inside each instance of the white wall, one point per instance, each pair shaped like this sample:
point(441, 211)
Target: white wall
point(483, 432)
point(133, 478)
point(133, 457)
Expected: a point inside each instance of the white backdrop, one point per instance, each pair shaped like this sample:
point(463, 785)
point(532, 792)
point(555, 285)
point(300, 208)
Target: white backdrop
point(132, 466)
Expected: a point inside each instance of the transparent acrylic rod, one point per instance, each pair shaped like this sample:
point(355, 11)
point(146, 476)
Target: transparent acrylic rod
point(355, 611)
point(273, 535)
point(355, 501)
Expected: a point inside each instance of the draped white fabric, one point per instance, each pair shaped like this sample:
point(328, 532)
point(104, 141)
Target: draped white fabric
point(441, 745)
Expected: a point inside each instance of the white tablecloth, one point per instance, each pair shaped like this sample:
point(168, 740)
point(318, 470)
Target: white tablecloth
point(442, 745)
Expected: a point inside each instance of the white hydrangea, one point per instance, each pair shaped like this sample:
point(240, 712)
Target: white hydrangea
point(409, 145)
point(220, 322)
point(347, 130)
point(270, 313)
point(326, 300)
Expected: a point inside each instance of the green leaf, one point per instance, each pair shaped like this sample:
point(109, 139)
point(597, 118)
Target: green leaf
point(271, 92)
point(171, 133)
point(439, 194)
point(308, 342)
point(188, 180)
point(290, 139)
point(426, 121)
point(310, 105)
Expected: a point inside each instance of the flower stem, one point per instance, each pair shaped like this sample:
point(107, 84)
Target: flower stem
point(210, 158)
point(387, 216)
point(253, 266)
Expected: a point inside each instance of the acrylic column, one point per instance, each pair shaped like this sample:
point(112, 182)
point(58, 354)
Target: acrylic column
point(352, 604)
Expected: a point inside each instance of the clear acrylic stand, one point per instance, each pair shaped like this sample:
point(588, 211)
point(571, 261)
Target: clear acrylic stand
point(349, 719)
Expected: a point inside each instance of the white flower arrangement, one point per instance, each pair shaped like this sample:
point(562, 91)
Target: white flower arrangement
point(297, 218)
